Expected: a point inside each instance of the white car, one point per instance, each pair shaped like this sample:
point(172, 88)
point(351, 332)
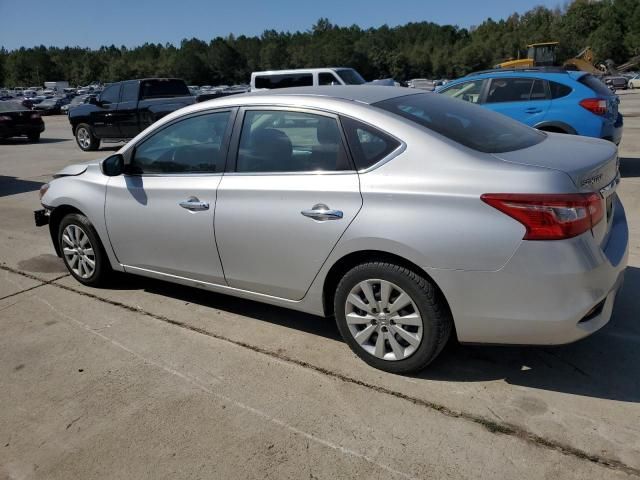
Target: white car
point(635, 82)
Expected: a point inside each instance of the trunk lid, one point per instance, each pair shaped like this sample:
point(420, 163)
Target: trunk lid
point(591, 163)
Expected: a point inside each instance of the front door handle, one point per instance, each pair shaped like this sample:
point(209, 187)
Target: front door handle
point(194, 205)
point(533, 110)
point(321, 213)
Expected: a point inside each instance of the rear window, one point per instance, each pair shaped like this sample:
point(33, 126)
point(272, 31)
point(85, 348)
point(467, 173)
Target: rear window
point(558, 90)
point(284, 80)
point(164, 88)
point(595, 84)
point(368, 145)
point(469, 125)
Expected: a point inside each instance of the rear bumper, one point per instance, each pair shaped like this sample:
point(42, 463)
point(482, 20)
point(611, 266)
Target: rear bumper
point(16, 131)
point(548, 293)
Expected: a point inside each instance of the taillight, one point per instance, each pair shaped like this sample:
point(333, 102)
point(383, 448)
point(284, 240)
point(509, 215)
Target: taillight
point(4, 118)
point(595, 105)
point(550, 216)
point(35, 116)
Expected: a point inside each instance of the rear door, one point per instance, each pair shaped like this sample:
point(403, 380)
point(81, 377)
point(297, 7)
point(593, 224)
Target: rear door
point(288, 198)
point(523, 99)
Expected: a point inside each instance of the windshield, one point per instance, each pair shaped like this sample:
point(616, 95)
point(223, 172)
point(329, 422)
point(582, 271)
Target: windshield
point(12, 107)
point(350, 76)
point(464, 123)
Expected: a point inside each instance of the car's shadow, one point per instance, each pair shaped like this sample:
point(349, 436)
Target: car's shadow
point(629, 167)
point(25, 141)
point(605, 365)
point(13, 186)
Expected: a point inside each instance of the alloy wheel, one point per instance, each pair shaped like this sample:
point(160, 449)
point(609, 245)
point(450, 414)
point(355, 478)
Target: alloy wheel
point(83, 137)
point(78, 251)
point(383, 319)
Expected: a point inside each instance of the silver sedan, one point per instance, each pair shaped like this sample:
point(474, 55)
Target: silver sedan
point(405, 215)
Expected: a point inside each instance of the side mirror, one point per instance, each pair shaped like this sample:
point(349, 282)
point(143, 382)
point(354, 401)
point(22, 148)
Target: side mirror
point(113, 166)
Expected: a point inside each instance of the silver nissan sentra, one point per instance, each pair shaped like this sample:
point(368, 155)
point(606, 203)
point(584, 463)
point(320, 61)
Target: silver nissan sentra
point(403, 214)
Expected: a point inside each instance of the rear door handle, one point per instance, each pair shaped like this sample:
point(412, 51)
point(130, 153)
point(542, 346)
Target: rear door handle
point(321, 213)
point(194, 205)
point(533, 110)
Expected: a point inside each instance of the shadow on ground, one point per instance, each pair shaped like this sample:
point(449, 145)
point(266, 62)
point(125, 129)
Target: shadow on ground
point(13, 186)
point(629, 167)
point(605, 365)
point(25, 141)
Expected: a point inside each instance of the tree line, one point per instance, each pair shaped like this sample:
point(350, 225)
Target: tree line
point(423, 49)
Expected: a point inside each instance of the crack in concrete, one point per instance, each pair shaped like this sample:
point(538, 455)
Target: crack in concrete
point(32, 277)
point(492, 426)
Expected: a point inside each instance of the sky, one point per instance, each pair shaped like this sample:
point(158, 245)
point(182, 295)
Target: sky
point(92, 23)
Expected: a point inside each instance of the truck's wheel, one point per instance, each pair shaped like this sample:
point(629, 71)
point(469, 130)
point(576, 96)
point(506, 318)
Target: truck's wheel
point(85, 139)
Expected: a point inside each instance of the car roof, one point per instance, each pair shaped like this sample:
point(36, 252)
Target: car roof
point(529, 72)
point(368, 94)
point(299, 70)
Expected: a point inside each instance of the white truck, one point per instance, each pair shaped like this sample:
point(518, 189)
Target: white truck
point(305, 77)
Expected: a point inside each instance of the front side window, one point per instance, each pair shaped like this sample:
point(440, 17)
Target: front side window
point(368, 145)
point(327, 79)
point(284, 141)
point(467, 91)
point(110, 94)
point(469, 125)
point(350, 77)
point(192, 145)
point(510, 90)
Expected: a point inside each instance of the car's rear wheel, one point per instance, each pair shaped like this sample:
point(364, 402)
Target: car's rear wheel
point(82, 251)
point(85, 138)
point(391, 317)
point(33, 137)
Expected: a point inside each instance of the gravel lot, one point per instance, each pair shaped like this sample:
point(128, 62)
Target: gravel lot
point(153, 380)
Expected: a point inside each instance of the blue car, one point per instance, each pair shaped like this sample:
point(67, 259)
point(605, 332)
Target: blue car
point(555, 100)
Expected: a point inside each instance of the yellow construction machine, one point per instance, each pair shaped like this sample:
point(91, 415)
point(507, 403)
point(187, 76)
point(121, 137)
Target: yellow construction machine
point(544, 55)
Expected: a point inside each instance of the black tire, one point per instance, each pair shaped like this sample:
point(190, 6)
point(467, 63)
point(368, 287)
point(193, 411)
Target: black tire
point(102, 270)
point(88, 143)
point(33, 137)
point(437, 323)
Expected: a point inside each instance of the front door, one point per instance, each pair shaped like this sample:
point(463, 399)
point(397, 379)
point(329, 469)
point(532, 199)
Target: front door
point(292, 193)
point(104, 117)
point(160, 214)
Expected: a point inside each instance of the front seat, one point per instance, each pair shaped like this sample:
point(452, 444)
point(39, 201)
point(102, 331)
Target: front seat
point(270, 151)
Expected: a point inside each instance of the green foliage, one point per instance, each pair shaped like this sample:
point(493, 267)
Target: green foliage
point(610, 27)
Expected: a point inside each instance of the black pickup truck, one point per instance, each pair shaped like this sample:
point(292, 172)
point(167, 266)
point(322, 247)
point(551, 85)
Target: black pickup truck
point(124, 109)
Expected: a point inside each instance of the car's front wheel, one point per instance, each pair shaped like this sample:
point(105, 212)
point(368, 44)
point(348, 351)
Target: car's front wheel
point(85, 138)
point(391, 317)
point(82, 251)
